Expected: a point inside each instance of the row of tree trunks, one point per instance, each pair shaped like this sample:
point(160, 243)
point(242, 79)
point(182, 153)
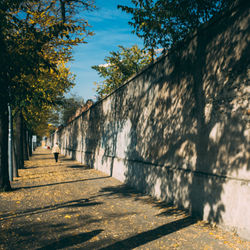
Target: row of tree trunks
point(23, 141)
point(21, 146)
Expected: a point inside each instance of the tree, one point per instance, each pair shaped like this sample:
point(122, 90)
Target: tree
point(45, 92)
point(69, 107)
point(119, 67)
point(34, 36)
point(161, 23)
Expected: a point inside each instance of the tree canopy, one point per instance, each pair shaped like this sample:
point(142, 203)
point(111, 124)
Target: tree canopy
point(119, 66)
point(61, 114)
point(37, 37)
point(160, 23)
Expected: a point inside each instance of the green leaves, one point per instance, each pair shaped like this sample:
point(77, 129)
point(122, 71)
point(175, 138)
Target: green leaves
point(163, 22)
point(119, 67)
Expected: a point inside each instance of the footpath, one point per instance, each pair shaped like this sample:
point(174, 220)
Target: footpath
point(66, 205)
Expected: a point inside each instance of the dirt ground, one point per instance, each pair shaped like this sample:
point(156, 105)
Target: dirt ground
point(66, 205)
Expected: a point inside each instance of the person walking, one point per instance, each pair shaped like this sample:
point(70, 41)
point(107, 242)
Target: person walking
point(56, 151)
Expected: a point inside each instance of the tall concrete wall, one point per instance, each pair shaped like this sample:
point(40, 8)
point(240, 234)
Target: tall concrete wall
point(180, 129)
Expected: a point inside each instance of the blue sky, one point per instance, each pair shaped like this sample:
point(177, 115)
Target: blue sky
point(111, 29)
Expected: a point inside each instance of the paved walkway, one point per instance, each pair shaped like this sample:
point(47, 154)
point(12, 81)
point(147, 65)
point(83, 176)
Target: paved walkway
point(68, 206)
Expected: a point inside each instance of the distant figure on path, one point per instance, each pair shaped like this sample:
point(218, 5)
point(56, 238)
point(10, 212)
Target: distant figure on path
point(56, 151)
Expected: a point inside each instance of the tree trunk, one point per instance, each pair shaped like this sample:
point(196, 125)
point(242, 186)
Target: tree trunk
point(25, 143)
point(19, 141)
point(15, 168)
point(4, 172)
point(30, 143)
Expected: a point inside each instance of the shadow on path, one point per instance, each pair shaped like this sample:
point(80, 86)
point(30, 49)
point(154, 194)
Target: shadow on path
point(71, 240)
point(58, 183)
point(150, 235)
point(39, 210)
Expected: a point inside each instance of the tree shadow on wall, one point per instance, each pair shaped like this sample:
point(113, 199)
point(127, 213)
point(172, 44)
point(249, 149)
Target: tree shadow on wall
point(110, 141)
point(84, 136)
point(101, 133)
point(92, 131)
point(74, 138)
point(192, 131)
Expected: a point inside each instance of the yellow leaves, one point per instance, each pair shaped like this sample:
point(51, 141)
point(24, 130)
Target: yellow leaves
point(32, 21)
point(67, 216)
point(207, 247)
point(142, 25)
point(29, 12)
point(51, 71)
point(175, 245)
point(95, 238)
